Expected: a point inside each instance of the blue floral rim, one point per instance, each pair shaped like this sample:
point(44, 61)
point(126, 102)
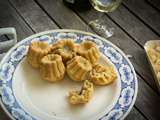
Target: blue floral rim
point(125, 70)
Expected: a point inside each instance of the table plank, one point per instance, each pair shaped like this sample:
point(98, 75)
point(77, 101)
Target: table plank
point(134, 27)
point(140, 60)
point(23, 13)
point(36, 19)
point(9, 18)
point(145, 12)
point(122, 40)
point(61, 14)
point(27, 17)
point(32, 20)
point(148, 102)
point(155, 3)
point(3, 115)
point(46, 26)
point(122, 47)
point(135, 115)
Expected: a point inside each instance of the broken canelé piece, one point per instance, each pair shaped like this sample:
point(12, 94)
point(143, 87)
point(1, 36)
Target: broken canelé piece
point(78, 68)
point(89, 50)
point(82, 96)
point(52, 68)
point(102, 75)
point(36, 51)
point(65, 48)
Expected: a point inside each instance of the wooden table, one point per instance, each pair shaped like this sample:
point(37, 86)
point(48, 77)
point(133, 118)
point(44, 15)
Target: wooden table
point(135, 22)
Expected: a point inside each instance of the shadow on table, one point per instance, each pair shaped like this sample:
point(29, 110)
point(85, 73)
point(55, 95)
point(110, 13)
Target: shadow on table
point(78, 5)
point(3, 115)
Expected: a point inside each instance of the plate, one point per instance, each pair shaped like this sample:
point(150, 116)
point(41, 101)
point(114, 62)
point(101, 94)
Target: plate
point(25, 96)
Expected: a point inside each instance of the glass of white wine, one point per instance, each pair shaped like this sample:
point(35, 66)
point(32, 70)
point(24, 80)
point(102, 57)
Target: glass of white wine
point(104, 6)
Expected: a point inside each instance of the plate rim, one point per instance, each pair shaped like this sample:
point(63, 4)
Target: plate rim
point(82, 32)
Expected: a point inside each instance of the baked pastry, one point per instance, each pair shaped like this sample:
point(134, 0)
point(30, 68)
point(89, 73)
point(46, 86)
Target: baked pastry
point(154, 56)
point(65, 48)
point(102, 75)
point(52, 68)
point(36, 51)
point(89, 50)
point(78, 68)
point(82, 96)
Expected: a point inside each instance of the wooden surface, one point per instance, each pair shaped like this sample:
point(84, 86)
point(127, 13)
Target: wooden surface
point(135, 22)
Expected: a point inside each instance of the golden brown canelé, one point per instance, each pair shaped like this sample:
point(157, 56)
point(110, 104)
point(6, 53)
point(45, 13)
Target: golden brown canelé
point(89, 50)
point(36, 51)
point(82, 96)
point(52, 68)
point(78, 68)
point(65, 48)
point(102, 75)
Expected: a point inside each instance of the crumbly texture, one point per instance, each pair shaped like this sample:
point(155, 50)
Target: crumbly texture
point(78, 60)
point(78, 68)
point(89, 50)
point(36, 51)
point(154, 56)
point(52, 68)
point(102, 75)
point(83, 96)
point(65, 48)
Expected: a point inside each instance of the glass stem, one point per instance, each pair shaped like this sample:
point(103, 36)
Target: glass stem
point(99, 27)
point(100, 15)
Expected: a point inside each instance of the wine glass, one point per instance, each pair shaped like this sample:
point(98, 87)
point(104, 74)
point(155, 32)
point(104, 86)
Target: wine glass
point(104, 6)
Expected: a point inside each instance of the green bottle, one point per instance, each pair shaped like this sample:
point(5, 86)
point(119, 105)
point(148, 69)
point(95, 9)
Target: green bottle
point(80, 5)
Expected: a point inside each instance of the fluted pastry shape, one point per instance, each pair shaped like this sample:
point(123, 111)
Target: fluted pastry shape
point(89, 50)
point(36, 51)
point(52, 68)
point(65, 48)
point(102, 75)
point(82, 96)
point(78, 68)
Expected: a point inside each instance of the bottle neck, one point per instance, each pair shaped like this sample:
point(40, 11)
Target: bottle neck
point(80, 5)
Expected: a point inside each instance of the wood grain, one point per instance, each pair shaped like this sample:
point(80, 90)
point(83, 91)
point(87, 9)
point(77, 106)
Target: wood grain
point(123, 41)
point(62, 15)
point(9, 18)
point(135, 115)
point(146, 105)
point(148, 102)
point(56, 10)
point(3, 115)
point(139, 59)
point(155, 3)
point(145, 12)
point(134, 27)
point(34, 15)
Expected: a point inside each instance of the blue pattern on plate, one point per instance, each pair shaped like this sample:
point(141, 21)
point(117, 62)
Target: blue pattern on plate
point(128, 78)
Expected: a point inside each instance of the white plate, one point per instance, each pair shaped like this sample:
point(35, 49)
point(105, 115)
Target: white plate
point(25, 96)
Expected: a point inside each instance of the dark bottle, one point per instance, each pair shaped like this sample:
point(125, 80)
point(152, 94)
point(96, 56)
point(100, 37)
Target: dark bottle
point(80, 5)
